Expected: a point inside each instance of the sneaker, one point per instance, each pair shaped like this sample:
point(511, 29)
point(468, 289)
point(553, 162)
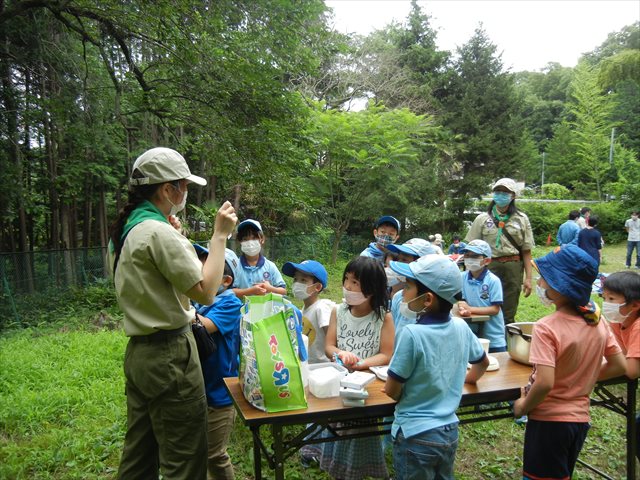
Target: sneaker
point(308, 460)
point(627, 266)
point(522, 420)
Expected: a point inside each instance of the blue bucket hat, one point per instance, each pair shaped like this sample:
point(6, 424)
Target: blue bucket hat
point(388, 219)
point(416, 247)
point(310, 267)
point(478, 246)
point(570, 271)
point(436, 272)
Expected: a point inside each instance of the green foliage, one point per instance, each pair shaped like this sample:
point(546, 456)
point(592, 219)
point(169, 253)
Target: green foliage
point(545, 219)
point(62, 401)
point(592, 125)
point(483, 108)
point(555, 191)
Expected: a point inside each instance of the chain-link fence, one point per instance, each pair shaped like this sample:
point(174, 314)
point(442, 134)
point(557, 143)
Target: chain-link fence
point(30, 280)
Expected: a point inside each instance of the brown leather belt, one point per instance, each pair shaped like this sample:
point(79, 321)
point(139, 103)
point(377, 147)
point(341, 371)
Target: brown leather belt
point(511, 258)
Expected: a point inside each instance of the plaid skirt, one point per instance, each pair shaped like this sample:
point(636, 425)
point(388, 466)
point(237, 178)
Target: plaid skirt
point(354, 459)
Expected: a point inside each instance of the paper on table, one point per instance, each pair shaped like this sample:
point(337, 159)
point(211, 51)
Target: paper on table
point(381, 372)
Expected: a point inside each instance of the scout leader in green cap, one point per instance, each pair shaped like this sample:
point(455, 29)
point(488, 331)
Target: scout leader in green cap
point(156, 272)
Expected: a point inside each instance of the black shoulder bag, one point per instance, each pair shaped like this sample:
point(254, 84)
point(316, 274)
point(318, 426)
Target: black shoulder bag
point(206, 345)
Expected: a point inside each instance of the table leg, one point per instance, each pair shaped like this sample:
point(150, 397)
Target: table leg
point(632, 385)
point(257, 457)
point(278, 452)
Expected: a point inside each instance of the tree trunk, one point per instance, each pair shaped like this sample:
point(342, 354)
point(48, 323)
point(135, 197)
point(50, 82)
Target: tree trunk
point(15, 156)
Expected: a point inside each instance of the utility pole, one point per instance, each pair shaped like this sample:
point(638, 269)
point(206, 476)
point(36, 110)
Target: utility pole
point(613, 133)
point(542, 182)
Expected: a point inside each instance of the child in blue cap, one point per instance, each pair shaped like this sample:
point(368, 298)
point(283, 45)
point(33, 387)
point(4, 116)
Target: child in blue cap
point(428, 370)
point(567, 352)
point(309, 280)
point(258, 275)
point(482, 294)
point(386, 232)
point(222, 321)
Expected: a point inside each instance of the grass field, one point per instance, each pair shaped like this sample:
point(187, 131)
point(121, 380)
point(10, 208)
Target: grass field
point(63, 411)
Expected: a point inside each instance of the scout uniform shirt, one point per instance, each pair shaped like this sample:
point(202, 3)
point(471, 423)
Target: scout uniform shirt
point(156, 266)
point(484, 227)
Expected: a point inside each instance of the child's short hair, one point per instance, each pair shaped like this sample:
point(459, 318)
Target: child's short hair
point(584, 210)
point(624, 283)
point(593, 221)
point(573, 214)
point(373, 280)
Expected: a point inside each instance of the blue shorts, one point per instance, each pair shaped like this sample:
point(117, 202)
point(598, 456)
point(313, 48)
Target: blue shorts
point(551, 449)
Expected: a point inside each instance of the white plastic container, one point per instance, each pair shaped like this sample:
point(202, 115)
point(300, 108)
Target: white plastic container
point(324, 379)
point(304, 366)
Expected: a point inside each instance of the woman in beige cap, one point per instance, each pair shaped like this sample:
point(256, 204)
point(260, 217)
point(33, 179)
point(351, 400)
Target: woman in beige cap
point(508, 231)
point(156, 272)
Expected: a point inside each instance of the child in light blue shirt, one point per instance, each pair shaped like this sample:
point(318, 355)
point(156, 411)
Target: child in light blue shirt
point(428, 370)
point(386, 231)
point(257, 275)
point(482, 294)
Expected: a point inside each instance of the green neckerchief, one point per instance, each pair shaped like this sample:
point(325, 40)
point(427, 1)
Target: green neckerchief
point(145, 211)
point(502, 219)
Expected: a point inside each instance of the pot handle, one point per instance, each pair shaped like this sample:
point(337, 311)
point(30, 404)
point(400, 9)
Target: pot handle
point(515, 330)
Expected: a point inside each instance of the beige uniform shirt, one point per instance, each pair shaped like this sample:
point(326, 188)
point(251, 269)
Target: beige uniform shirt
point(157, 266)
point(484, 228)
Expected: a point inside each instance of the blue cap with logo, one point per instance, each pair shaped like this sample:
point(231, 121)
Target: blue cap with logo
point(416, 247)
point(388, 219)
point(570, 271)
point(436, 272)
point(310, 267)
point(478, 246)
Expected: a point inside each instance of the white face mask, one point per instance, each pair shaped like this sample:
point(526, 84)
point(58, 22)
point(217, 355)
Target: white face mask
point(406, 312)
point(353, 298)
point(300, 290)
point(542, 295)
point(393, 278)
point(175, 209)
point(250, 247)
point(473, 264)
point(611, 312)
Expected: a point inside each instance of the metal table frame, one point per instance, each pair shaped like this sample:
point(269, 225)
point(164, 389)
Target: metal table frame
point(373, 419)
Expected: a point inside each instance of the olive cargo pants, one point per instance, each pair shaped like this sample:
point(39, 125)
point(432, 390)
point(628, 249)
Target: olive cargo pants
point(166, 410)
point(511, 276)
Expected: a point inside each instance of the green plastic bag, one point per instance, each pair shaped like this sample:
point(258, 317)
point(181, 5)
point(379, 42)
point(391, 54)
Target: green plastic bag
point(270, 371)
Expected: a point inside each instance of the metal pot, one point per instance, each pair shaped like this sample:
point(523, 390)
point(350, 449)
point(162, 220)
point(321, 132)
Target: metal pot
point(519, 341)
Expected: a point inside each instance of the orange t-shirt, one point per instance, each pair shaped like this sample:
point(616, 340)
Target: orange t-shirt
point(628, 336)
point(575, 350)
